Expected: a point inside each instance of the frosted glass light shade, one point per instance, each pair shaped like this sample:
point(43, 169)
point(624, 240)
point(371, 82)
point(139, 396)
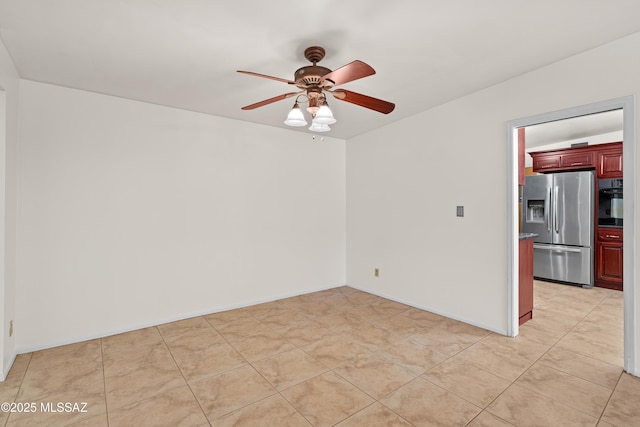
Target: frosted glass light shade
point(295, 117)
point(318, 127)
point(324, 116)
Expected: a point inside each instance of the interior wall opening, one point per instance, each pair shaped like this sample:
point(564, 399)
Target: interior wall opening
point(599, 120)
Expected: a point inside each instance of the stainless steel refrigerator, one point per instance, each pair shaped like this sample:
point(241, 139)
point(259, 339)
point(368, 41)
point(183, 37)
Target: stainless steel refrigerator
point(559, 208)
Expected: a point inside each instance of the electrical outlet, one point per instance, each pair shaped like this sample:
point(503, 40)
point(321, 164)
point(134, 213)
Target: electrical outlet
point(10, 327)
point(376, 272)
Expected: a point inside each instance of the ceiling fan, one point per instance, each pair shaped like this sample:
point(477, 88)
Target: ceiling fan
point(314, 81)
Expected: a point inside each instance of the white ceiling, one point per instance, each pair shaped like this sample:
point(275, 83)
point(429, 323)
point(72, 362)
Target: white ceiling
point(184, 53)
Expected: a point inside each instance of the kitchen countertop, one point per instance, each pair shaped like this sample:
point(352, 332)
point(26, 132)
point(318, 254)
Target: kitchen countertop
point(524, 236)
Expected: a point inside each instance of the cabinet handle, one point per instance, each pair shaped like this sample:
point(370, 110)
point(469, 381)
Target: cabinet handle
point(608, 236)
point(577, 164)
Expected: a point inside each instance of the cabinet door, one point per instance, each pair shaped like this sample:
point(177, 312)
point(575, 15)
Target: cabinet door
point(577, 160)
point(541, 164)
point(610, 164)
point(609, 262)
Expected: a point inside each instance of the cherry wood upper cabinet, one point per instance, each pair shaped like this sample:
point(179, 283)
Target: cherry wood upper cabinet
point(605, 158)
point(610, 163)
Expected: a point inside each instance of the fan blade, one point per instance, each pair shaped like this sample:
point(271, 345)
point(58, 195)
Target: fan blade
point(348, 73)
point(270, 100)
point(267, 77)
point(364, 101)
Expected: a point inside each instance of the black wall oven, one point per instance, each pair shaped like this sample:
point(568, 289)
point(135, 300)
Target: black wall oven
point(610, 202)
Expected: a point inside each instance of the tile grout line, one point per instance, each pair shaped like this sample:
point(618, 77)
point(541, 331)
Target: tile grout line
point(604, 409)
point(182, 373)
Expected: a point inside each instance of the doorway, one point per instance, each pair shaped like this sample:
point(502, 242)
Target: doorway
point(627, 105)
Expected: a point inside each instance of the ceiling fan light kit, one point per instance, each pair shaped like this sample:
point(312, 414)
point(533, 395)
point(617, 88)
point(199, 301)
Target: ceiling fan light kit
point(324, 116)
point(318, 127)
point(295, 117)
point(315, 82)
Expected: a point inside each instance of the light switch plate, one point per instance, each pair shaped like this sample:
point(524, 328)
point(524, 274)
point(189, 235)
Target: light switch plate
point(459, 210)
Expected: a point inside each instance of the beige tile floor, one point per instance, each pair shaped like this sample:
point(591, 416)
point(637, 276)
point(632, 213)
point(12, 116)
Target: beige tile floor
point(341, 357)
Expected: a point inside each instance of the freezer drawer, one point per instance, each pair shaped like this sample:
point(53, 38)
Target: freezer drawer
point(563, 263)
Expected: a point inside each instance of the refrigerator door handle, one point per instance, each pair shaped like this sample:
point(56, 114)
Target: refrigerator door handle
point(557, 248)
point(555, 209)
point(546, 211)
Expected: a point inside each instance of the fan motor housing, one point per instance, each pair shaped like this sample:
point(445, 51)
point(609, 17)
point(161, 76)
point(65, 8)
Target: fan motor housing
point(310, 75)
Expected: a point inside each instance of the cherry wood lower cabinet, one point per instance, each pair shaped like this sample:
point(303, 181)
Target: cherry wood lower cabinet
point(525, 280)
point(609, 269)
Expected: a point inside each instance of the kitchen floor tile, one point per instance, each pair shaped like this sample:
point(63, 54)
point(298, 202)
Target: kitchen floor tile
point(423, 403)
point(272, 411)
point(82, 352)
point(526, 348)
point(177, 407)
point(262, 345)
point(498, 360)
point(401, 325)
point(231, 390)
point(304, 332)
point(73, 377)
point(375, 415)
point(623, 408)
point(469, 332)
point(289, 368)
point(374, 375)
point(243, 328)
point(84, 404)
point(561, 387)
point(438, 339)
point(487, 419)
point(522, 407)
point(174, 330)
point(142, 382)
point(371, 337)
point(587, 368)
point(467, 381)
point(592, 347)
point(199, 363)
point(333, 351)
point(326, 399)
point(282, 318)
point(425, 318)
point(413, 356)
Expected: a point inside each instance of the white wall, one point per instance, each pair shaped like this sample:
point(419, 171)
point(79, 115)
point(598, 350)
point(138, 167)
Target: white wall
point(405, 180)
point(9, 85)
point(131, 214)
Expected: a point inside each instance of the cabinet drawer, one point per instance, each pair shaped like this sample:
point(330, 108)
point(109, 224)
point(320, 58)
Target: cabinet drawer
point(610, 235)
point(577, 160)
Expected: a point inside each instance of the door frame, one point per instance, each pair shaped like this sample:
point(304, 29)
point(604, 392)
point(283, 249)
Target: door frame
point(627, 104)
